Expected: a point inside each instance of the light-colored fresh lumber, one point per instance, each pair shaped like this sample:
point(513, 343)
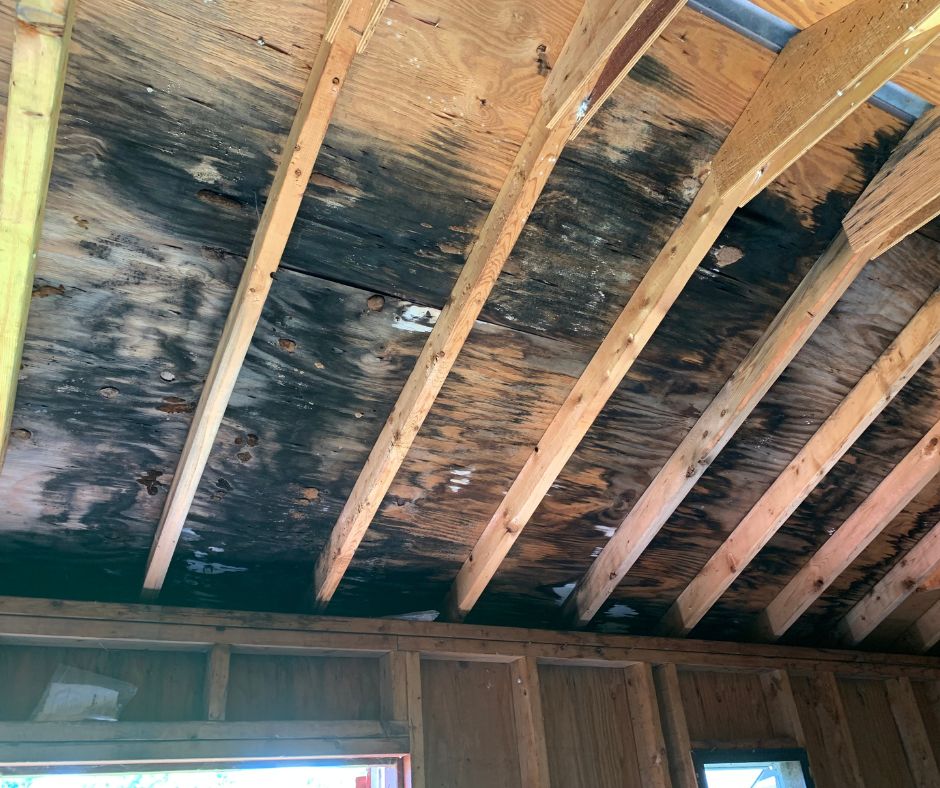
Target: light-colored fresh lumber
point(924, 633)
point(914, 737)
point(600, 28)
point(647, 726)
point(778, 691)
point(530, 727)
point(830, 710)
point(347, 22)
point(37, 75)
point(822, 287)
point(835, 64)
point(808, 117)
point(906, 354)
point(675, 727)
point(875, 514)
point(415, 771)
point(216, 682)
point(898, 584)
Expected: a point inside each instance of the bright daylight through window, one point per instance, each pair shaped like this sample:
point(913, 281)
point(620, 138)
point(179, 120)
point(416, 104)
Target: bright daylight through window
point(759, 774)
point(282, 777)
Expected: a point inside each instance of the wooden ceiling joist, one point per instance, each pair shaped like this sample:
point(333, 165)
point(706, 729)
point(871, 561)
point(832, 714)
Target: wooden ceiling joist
point(917, 342)
point(37, 75)
point(348, 27)
point(819, 78)
point(605, 30)
point(902, 580)
point(923, 634)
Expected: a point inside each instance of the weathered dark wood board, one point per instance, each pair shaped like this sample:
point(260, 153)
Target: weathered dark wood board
point(172, 124)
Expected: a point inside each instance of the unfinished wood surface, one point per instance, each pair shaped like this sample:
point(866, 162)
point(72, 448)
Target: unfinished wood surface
point(901, 581)
point(924, 633)
point(409, 672)
point(215, 693)
point(878, 510)
point(713, 207)
point(647, 727)
point(778, 690)
point(903, 196)
point(830, 65)
point(335, 55)
point(675, 727)
point(878, 745)
point(726, 709)
point(530, 728)
point(816, 295)
point(469, 730)
point(907, 716)
point(140, 626)
point(37, 75)
point(587, 711)
point(515, 201)
point(833, 759)
point(921, 76)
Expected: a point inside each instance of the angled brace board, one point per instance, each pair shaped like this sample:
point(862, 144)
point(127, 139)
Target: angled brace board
point(810, 115)
point(902, 580)
point(346, 27)
point(911, 348)
point(37, 76)
point(603, 29)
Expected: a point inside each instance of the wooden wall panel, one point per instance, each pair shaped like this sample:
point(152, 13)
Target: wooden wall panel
point(263, 687)
point(469, 731)
point(587, 728)
point(878, 746)
point(169, 684)
point(928, 702)
point(725, 708)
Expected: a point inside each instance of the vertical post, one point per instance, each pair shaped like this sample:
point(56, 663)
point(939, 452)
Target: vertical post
point(215, 691)
point(647, 727)
point(530, 726)
point(675, 727)
point(834, 721)
point(778, 692)
point(400, 699)
point(920, 755)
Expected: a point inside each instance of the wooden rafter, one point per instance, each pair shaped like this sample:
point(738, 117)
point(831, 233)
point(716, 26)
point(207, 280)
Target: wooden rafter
point(347, 27)
point(899, 583)
point(875, 514)
point(37, 75)
point(924, 633)
point(810, 93)
point(901, 198)
point(622, 28)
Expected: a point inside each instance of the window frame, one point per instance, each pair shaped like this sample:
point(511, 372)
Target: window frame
point(702, 758)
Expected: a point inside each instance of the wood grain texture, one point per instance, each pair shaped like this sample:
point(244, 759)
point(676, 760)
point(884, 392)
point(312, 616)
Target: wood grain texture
point(820, 76)
point(645, 719)
point(530, 727)
point(587, 710)
point(921, 76)
point(340, 44)
point(897, 490)
point(675, 727)
point(914, 736)
point(215, 691)
point(899, 583)
point(597, 33)
point(37, 76)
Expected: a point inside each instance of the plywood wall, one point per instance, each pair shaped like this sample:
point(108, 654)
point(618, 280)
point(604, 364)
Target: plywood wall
point(584, 727)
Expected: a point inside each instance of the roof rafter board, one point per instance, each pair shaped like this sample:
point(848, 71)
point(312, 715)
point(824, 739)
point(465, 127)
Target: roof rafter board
point(347, 26)
point(875, 514)
point(809, 115)
point(596, 37)
point(42, 36)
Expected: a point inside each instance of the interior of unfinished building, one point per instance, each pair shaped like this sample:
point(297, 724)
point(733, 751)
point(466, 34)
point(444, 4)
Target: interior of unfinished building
point(470, 393)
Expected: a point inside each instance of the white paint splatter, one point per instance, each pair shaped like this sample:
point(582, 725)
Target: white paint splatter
point(216, 549)
point(205, 171)
point(417, 319)
point(189, 533)
point(420, 615)
point(208, 568)
point(563, 592)
point(596, 552)
point(607, 530)
point(620, 611)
